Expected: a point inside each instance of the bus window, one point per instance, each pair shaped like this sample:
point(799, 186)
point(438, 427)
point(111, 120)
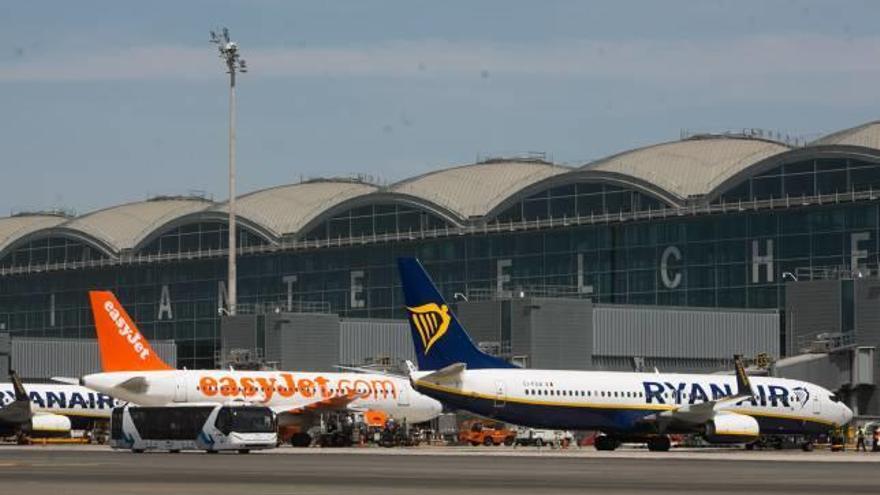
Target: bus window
point(116, 424)
point(245, 420)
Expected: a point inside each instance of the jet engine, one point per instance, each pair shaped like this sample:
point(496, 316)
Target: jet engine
point(731, 428)
point(48, 425)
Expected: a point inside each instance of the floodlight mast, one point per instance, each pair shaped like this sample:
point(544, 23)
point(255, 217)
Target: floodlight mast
point(234, 64)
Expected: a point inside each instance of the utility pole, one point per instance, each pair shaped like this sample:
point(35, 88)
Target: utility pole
point(234, 64)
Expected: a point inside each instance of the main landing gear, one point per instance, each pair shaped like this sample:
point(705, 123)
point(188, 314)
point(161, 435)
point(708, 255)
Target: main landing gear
point(604, 442)
point(301, 440)
point(659, 444)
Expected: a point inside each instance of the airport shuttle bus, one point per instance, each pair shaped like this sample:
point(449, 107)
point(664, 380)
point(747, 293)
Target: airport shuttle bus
point(208, 427)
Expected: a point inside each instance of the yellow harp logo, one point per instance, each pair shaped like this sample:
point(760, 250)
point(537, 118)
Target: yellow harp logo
point(431, 321)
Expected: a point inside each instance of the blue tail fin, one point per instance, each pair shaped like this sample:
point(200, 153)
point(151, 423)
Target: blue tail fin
point(438, 337)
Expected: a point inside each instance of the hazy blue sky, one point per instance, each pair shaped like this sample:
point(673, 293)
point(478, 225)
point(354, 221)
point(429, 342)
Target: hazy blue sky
point(104, 102)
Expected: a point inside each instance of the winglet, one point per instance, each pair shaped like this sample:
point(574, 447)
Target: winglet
point(20, 392)
point(743, 384)
point(121, 344)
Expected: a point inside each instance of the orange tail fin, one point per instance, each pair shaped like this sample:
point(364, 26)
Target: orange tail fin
point(121, 344)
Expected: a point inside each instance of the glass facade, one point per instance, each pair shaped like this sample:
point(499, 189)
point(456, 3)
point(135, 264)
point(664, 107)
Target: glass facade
point(375, 219)
point(48, 251)
point(732, 260)
point(808, 178)
point(201, 236)
point(723, 256)
point(581, 199)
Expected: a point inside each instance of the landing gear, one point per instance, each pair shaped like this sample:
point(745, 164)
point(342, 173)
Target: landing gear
point(659, 444)
point(244, 451)
point(604, 442)
point(301, 440)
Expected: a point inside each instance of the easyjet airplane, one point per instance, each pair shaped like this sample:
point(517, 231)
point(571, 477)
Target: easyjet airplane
point(133, 372)
point(623, 406)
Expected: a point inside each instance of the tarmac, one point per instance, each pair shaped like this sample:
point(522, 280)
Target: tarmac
point(56, 470)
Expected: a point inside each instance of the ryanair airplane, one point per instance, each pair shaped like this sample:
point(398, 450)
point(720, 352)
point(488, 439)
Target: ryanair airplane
point(623, 406)
point(43, 410)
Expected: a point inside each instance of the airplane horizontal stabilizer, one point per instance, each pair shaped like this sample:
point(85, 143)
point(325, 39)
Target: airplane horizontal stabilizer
point(66, 379)
point(449, 372)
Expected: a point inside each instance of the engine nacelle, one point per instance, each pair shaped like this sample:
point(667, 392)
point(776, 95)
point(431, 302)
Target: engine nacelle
point(48, 425)
point(731, 428)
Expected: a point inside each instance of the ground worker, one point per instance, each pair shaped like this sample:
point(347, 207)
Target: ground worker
point(860, 439)
point(875, 446)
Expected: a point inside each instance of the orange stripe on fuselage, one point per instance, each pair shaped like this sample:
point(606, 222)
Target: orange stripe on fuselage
point(266, 388)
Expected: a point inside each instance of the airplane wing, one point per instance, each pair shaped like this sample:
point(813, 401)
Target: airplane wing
point(66, 380)
point(335, 403)
point(705, 411)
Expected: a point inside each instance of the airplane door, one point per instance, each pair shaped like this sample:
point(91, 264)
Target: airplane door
point(403, 397)
point(500, 394)
point(180, 389)
point(817, 404)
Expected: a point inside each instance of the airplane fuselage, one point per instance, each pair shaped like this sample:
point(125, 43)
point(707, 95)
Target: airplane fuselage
point(391, 395)
point(66, 400)
point(630, 403)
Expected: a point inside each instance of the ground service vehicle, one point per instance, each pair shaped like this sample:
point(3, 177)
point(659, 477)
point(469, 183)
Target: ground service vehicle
point(208, 427)
point(527, 437)
point(475, 432)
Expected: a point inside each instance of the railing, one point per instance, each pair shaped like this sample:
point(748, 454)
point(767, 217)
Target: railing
point(483, 228)
point(825, 342)
point(519, 292)
point(265, 307)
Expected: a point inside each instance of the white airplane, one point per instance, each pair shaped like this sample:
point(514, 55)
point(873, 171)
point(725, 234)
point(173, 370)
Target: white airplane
point(42, 410)
point(134, 373)
point(643, 407)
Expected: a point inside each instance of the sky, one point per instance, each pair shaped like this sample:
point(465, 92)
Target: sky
point(107, 102)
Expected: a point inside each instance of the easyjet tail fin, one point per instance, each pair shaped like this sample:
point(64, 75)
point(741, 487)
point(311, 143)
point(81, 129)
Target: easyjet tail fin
point(121, 344)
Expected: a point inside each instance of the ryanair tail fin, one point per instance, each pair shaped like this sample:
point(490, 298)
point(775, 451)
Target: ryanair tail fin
point(121, 345)
point(438, 337)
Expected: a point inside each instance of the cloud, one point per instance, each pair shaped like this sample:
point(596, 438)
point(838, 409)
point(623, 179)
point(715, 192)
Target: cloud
point(668, 63)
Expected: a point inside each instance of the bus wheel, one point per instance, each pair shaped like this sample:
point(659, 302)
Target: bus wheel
point(244, 451)
point(138, 451)
point(807, 446)
point(174, 451)
point(210, 451)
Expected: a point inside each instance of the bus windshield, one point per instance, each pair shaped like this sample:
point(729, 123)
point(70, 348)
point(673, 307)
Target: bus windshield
point(245, 420)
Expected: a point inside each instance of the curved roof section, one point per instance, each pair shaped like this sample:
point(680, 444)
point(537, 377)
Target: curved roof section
point(690, 167)
point(865, 135)
point(123, 227)
point(284, 210)
point(15, 227)
point(474, 190)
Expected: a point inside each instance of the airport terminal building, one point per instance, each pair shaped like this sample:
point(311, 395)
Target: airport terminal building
point(712, 221)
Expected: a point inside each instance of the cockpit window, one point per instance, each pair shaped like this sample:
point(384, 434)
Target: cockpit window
point(834, 398)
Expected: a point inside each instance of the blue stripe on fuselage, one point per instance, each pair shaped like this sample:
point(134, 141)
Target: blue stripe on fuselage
point(608, 420)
